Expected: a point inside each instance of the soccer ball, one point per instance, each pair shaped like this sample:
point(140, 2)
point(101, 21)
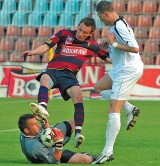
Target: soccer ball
point(46, 138)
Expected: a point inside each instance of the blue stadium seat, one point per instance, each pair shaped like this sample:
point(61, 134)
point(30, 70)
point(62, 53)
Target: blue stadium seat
point(56, 6)
point(5, 19)
point(99, 24)
point(85, 7)
point(19, 19)
point(9, 6)
point(78, 18)
point(35, 19)
point(25, 6)
point(41, 6)
point(72, 6)
point(66, 20)
point(50, 19)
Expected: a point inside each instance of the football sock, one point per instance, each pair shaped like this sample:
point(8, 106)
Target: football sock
point(112, 130)
point(127, 106)
point(43, 96)
point(78, 117)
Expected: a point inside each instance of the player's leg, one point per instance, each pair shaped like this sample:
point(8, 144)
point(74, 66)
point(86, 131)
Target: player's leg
point(131, 111)
point(41, 108)
point(75, 93)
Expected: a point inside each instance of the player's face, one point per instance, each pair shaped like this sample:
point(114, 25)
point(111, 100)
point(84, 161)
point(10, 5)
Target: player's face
point(83, 32)
point(104, 17)
point(32, 127)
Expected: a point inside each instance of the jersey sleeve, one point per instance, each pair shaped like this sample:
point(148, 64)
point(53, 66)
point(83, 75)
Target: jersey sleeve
point(126, 33)
point(54, 39)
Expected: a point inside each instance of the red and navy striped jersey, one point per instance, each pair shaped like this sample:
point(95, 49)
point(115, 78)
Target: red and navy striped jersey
point(71, 53)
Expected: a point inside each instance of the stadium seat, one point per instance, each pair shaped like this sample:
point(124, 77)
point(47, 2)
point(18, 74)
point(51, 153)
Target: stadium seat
point(154, 33)
point(147, 59)
point(13, 31)
point(36, 43)
point(72, 6)
point(141, 32)
point(45, 32)
point(134, 7)
point(56, 6)
point(35, 19)
point(25, 6)
point(132, 20)
point(22, 45)
point(119, 6)
point(85, 7)
point(5, 19)
point(6, 45)
point(50, 19)
point(19, 19)
point(149, 7)
point(157, 61)
point(33, 59)
point(141, 45)
point(29, 32)
point(156, 21)
point(2, 33)
point(151, 46)
point(15, 57)
point(9, 6)
point(3, 56)
point(66, 20)
point(145, 21)
point(41, 6)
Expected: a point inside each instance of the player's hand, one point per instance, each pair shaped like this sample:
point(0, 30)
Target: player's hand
point(58, 138)
point(27, 53)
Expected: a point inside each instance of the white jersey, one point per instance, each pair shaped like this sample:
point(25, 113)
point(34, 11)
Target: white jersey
point(123, 62)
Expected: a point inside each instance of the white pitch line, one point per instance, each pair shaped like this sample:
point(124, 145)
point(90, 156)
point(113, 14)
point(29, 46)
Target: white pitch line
point(8, 130)
point(16, 101)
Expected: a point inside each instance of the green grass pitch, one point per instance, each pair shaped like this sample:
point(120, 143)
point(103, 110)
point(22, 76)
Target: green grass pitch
point(138, 147)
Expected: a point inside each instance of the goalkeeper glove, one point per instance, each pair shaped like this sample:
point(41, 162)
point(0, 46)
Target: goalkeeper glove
point(58, 138)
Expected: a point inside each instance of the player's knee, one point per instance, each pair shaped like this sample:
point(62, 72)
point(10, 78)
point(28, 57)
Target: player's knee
point(86, 159)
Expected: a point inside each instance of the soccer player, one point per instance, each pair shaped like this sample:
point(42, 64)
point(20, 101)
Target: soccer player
point(74, 47)
point(36, 152)
point(127, 69)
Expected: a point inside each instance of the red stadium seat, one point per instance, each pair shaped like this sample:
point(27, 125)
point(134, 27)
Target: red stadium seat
point(13, 31)
point(154, 33)
point(134, 7)
point(151, 46)
point(119, 6)
point(3, 57)
point(22, 45)
point(147, 60)
point(2, 33)
point(157, 62)
point(145, 21)
point(131, 20)
point(36, 43)
point(6, 45)
point(45, 32)
point(57, 28)
point(33, 59)
point(15, 57)
point(29, 32)
point(157, 21)
point(149, 6)
point(141, 32)
point(141, 45)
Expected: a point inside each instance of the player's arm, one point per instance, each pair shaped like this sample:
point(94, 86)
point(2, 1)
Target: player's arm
point(38, 51)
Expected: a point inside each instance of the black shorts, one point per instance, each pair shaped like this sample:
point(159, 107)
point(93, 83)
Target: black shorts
point(62, 79)
point(66, 155)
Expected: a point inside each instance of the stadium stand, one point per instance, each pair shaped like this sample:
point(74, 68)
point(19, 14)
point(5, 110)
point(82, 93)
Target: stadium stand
point(147, 59)
point(157, 61)
point(27, 19)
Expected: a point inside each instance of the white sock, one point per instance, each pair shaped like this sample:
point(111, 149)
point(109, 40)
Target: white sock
point(128, 107)
point(112, 130)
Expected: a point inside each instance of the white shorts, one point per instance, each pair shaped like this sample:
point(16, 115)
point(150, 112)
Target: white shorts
point(122, 86)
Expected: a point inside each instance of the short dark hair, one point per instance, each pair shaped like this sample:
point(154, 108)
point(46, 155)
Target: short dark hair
point(88, 21)
point(22, 122)
point(103, 6)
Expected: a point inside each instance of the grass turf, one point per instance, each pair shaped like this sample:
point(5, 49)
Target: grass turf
point(140, 146)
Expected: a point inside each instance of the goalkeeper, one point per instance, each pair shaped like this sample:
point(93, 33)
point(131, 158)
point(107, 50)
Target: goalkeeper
point(36, 152)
